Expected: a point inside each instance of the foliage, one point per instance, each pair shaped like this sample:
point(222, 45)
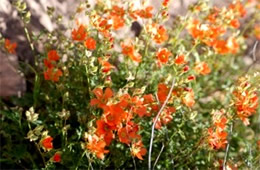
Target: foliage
point(168, 96)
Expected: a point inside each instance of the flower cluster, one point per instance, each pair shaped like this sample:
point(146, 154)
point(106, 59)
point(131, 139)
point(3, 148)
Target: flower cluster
point(80, 34)
point(52, 72)
point(217, 135)
point(218, 21)
point(117, 118)
point(245, 100)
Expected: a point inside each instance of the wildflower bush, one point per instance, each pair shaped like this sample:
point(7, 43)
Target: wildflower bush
point(164, 96)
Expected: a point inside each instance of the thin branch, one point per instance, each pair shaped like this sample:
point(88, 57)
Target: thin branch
point(227, 149)
point(155, 121)
point(158, 156)
point(254, 50)
point(254, 57)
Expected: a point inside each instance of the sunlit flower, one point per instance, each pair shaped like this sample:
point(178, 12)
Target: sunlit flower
point(138, 150)
point(217, 139)
point(163, 55)
point(160, 35)
point(101, 98)
point(188, 98)
point(162, 92)
point(246, 103)
point(117, 11)
point(90, 43)
point(123, 135)
point(165, 117)
point(106, 66)
point(47, 143)
point(104, 130)
point(235, 23)
point(165, 3)
point(79, 34)
point(202, 68)
point(97, 146)
point(129, 50)
point(238, 8)
point(180, 59)
point(145, 13)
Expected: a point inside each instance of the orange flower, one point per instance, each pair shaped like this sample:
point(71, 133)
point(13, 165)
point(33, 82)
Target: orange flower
point(106, 66)
point(118, 22)
point(10, 47)
point(161, 35)
point(148, 98)
point(123, 136)
point(165, 3)
point(145, 13)
point(220, 46)
point(163, 55)
point(52, 74)
point(180, 59)
point(132, 130)
point(103, 129)
point(53, 55)
point(217, 139)
point(127, 49)
point(232, 45)
point(188, 98)
point(130, 52)
point(162, 92)
point(56, 157)
point(113, 115)
point(194, 29)
point(165, 117)
point(213, 15)
point(101, 99)
point(141, 111)
point(117, 11)
point(97, 146)
point(202, 68)
point(48, 63)
point(136, 57)
point(47, 143)
point(79, 34)
point(246, 103)
point(235, 23)
point(138, 150)
point(238, 7)
point(90, 43)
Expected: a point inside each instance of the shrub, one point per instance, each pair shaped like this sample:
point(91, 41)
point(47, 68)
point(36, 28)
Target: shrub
point(169, 96)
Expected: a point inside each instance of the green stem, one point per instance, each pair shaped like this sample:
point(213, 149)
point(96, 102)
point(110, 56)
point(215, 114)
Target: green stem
point(88, 87)
point(42, 156)
point(77, 165)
